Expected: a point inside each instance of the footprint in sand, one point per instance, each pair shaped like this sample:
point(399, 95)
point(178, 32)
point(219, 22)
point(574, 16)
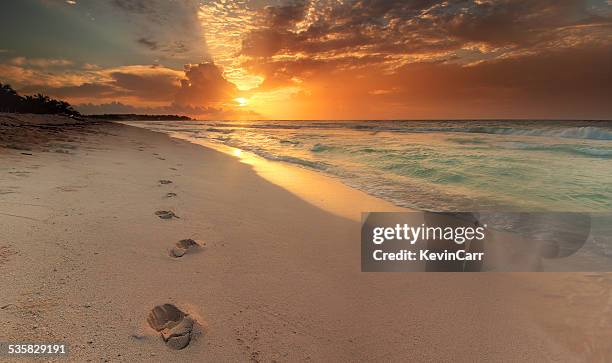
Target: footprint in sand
point(164, 181)
point(20, 173)
point(166, 214)
point(184, 246)
point(175, 327)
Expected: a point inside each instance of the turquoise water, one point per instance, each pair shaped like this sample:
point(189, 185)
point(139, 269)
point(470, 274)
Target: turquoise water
point(439, 165)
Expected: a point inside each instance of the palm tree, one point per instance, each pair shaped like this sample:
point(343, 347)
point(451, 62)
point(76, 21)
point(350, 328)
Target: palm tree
point(11, 101)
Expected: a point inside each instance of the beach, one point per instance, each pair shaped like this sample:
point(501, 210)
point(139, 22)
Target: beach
point(276, 277)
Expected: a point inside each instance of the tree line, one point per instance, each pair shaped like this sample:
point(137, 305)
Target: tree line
point(138, 117)
point(11, 101)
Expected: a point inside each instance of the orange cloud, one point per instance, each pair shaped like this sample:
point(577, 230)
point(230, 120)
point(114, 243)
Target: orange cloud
point(200, 89)
point(433, 59)
point(40, 62)
point(204, 84)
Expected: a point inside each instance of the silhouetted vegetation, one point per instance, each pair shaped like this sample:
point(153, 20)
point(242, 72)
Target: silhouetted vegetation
point(137, 117)
point(11, 101)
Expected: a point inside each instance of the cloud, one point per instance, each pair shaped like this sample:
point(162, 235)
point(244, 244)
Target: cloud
point(204, 84)
point(169, 29)
point(85, 90)
point(118, 107)
point(40, 62)
point(400, 32)
point(419, 58)
point(197, 85)
point(140, 84)
point(146, 82)
point(531, 86)
point(171, 109)
point(536, 85)
point(149, 43)
point(21, 76)
point(135, 6)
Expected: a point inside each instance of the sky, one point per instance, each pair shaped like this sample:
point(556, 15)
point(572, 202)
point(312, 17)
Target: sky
point(328, 59)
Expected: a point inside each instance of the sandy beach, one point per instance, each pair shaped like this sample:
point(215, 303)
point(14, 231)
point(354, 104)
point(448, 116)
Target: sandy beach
point(84, 258)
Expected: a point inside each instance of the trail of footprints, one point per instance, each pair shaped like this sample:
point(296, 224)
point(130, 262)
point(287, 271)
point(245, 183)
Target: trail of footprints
point(174, 325)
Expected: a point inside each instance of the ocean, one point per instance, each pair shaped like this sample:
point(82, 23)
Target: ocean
point(438, 165)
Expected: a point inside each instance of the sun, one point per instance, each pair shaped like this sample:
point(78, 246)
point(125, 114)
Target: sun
point(241, 101)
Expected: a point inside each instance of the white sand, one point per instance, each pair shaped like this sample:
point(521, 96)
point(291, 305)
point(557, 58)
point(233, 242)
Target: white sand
point(83, 259)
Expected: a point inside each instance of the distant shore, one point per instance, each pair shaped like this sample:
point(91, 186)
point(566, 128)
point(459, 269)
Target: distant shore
point(137, 117)
point(91, 214)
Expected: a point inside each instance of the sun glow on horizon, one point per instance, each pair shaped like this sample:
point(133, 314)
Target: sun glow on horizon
point(241, 101)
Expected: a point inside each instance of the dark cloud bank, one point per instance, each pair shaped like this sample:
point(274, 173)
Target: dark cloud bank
point(506, 58)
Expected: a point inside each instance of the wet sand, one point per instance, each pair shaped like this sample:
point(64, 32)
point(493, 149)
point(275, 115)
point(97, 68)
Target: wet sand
point(84, 258)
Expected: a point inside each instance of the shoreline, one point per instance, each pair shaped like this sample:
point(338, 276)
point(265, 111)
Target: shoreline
point(451, 166)
point(299, 180)
point(86, 258)
point(322, 190)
